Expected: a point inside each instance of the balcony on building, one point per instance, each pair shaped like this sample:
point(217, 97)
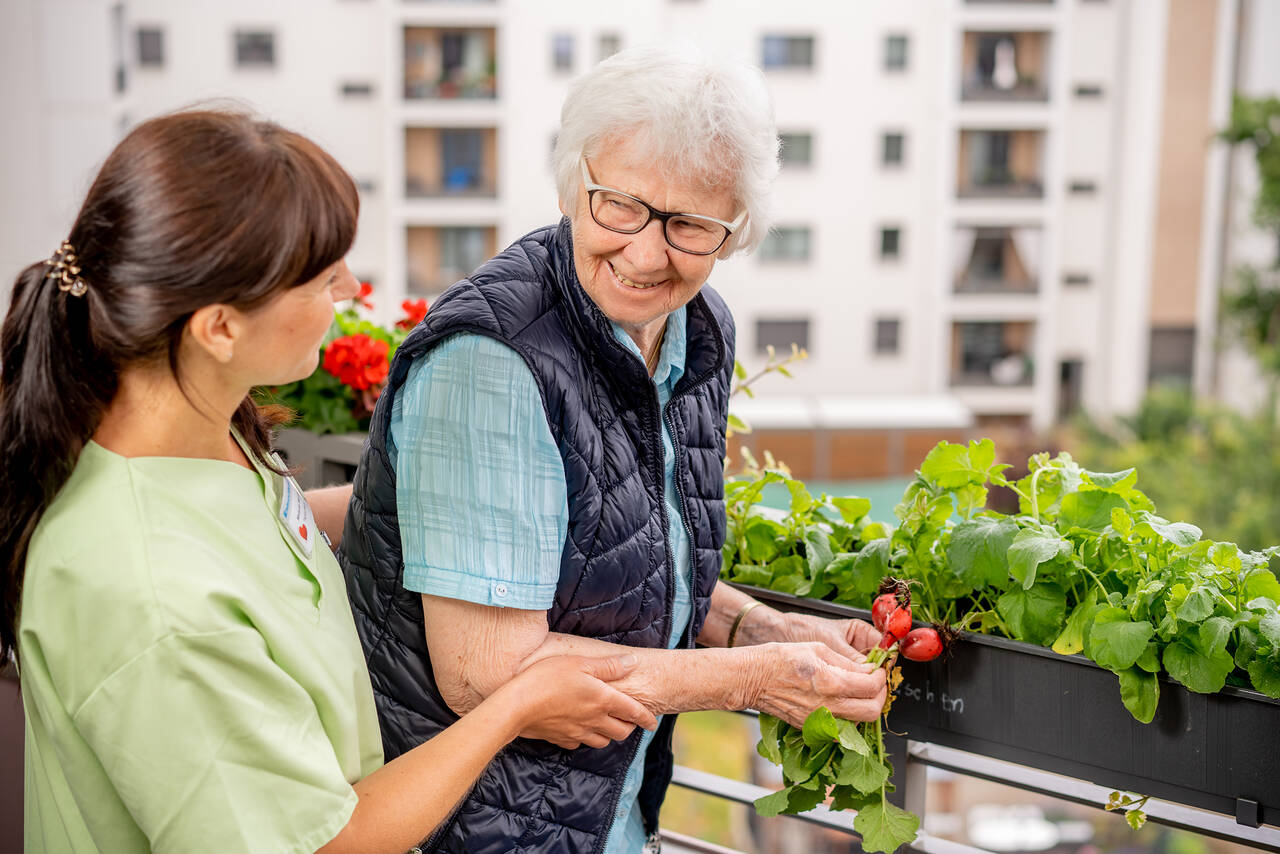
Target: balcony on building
point(1003, 260)
point(992, 353)
point(450, 163)
point(1005, 66)
point(1001, 164)
point(442, 63)
point(438, 256)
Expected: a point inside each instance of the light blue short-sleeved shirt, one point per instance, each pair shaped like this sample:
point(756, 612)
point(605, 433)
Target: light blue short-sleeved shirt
point(482, 497)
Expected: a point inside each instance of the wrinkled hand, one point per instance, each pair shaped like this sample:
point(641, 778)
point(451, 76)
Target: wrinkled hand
point(797, 678)
point(851, 638)
point(568, 701)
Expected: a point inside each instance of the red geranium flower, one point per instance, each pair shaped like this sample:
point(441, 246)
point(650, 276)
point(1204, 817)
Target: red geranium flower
point(363, 296)
point(357, 360)
point(414, 311)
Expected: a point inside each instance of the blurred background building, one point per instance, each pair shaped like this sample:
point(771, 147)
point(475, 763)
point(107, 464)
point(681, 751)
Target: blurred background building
point(991, 213)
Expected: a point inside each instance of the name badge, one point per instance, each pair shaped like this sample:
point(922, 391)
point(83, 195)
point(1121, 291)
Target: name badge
point(295, 515)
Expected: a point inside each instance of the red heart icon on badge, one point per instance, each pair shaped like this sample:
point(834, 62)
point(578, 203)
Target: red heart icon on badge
point(302, 529)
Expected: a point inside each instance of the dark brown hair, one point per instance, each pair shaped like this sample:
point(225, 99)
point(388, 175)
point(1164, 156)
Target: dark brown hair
point(190, 209)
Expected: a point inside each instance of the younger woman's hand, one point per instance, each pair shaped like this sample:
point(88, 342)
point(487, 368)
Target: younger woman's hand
point(568, 701)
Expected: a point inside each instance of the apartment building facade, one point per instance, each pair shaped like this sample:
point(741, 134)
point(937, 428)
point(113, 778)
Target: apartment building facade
point(991, 213)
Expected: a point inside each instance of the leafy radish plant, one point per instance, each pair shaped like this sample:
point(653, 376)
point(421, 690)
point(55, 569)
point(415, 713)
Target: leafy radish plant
point(846, 762)
point(1086, 566)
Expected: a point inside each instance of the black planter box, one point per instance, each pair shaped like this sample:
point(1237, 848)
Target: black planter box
point(1027, 704)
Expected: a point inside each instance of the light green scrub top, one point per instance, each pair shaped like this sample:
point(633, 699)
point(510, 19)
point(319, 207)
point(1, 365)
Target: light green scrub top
point(191, 677)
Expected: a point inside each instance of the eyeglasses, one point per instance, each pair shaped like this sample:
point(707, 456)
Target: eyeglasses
point(625, 214)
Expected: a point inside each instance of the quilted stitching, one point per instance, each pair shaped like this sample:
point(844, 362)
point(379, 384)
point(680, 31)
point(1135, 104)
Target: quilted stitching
point(528, 298)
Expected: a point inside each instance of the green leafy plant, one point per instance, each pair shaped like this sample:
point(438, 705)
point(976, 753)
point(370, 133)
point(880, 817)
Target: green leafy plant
point(743, 382)
point(1131, 805)
point(1085, 566)
point(837, 760)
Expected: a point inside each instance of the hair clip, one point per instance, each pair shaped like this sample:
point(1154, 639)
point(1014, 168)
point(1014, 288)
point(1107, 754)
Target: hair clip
point(64, 270)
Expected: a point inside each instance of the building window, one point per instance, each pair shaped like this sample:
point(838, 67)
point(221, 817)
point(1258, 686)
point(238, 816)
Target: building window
point(610, 43)
point(787, 52)
point(788, 243)
point(150, 47)
point(120, 48)
point(255, 49)
point(992, 353)
point(1172, 355)
point(462, 160)
point(888, 331)
point(797, 148)
point(891, 149)
point(461, 251)
point(890, 243)
point(895, 53)
point(1001, 164)
point(1070, 387)
point(357, 90)
point(781, 334)
point(562, 52)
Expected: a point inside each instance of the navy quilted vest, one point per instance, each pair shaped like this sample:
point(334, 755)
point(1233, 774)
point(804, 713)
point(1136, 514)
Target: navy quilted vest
point(616, 580)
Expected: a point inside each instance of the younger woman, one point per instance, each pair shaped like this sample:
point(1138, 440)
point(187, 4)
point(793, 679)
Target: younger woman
point(190, 671)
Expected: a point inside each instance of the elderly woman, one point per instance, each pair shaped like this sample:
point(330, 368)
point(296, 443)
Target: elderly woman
point(544, 470)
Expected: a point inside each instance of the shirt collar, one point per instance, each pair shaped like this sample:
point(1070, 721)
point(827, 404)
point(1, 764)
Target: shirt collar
point(674, 348)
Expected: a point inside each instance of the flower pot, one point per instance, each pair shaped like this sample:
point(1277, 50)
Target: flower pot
point(1026, 704)
point(320, 460)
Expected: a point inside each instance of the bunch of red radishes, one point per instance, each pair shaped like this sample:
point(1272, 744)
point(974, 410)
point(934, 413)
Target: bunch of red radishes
point(891, 615)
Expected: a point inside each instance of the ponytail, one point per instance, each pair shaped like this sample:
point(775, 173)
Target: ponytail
point(166, 228)
point(53, 392)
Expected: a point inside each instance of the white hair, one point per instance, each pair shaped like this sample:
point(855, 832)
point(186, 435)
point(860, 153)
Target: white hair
point(706, 123)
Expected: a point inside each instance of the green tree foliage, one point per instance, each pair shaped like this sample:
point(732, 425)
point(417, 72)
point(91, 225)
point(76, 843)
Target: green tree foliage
point(1256, 121)
point(1198, 461)
point(1252, 308)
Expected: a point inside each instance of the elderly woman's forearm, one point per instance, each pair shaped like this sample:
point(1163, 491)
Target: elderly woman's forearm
point(669, 681)
point(761, 624)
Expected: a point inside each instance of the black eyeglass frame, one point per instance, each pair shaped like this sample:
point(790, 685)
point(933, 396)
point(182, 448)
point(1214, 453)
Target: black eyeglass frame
point(662, 216)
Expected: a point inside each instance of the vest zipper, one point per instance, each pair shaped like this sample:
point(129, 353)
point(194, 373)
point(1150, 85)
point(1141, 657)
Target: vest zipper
point(684, 520)
point(668, 605)
point(664, 413)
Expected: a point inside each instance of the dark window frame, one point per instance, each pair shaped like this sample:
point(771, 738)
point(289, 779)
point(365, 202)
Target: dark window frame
point(788, 52)
point(894, 60)
point(780, 237)
point(887, 336)
point(890, 243)
point(356, 89)
point(898, 137)
point(149, 55)
point(791, 162)
point(563, 47)
point(779, 337)
point(247, 42)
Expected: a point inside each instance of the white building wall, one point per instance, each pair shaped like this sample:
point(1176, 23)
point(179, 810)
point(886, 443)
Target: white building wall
point(847, 100)
point(58, 60)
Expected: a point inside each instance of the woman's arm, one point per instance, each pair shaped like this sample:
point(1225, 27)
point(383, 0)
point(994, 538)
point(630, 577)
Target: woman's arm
point(403, 802)
point(762, 624)
point(785, 679)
